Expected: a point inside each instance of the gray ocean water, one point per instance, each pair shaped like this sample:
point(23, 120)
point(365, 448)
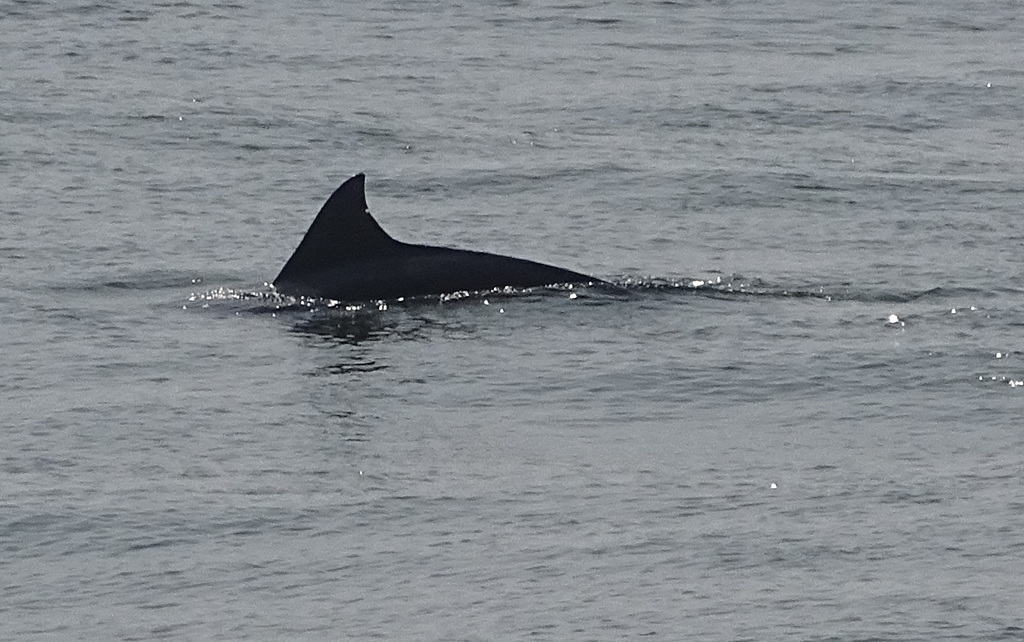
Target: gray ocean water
point(800, 419)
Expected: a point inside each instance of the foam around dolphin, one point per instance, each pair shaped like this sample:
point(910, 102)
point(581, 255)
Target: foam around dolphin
point(347, 256)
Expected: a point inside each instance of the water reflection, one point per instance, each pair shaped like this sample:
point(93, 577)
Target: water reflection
point(348, 326)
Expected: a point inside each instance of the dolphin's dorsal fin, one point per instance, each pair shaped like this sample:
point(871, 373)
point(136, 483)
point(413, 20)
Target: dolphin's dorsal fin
point(343, 230)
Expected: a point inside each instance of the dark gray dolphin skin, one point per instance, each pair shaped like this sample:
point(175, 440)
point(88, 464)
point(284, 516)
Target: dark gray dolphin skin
point(346, 256)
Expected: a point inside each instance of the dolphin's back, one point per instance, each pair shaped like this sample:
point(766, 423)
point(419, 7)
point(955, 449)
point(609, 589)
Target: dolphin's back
point(346, 255)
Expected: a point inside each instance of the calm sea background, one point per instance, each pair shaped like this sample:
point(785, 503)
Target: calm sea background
point(800, 419)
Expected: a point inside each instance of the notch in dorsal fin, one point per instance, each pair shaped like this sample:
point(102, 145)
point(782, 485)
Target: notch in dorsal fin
point(343, 230)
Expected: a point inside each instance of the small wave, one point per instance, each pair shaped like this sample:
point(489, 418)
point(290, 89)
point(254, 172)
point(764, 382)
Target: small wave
point(728, 287)
point(269, 300)
point(138, 281)
point(618, 290)
point(1001, 380)
point(735, 285)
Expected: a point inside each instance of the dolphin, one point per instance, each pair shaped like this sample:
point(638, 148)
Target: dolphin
point(347, 256)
